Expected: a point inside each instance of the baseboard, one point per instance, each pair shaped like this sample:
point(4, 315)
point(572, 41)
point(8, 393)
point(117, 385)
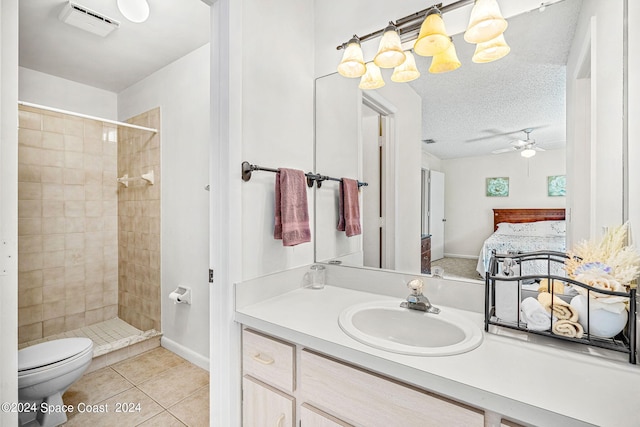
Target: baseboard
point(460, 256)
point(184, 352)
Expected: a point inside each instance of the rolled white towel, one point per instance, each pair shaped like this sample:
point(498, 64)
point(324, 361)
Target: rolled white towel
point(568, 328)
point(534, 315)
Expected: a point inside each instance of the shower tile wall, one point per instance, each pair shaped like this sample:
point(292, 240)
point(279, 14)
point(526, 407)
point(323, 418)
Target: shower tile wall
point(67, 227)
point(139, 224)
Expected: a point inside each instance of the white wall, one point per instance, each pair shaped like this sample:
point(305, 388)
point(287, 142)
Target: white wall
point(9, 208)
point(465, 194)
point(52, 91)
point(181, 90)
point(595, 196)
point(407, 155)
point(431, 162)
point(337, 154)
point(633, 192)
point(277, 123)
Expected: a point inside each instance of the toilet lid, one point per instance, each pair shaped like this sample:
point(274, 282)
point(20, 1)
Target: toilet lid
point(50, 352)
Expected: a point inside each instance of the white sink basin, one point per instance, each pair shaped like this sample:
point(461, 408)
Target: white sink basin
point(387, 326)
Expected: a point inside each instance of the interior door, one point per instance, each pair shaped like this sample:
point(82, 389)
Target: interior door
point(436, 214)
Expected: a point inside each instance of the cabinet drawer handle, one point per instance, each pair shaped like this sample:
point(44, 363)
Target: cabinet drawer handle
point(280, 420)
point(265, 360)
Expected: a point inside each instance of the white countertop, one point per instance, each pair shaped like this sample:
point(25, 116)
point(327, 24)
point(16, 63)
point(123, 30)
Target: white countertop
point(529, 382)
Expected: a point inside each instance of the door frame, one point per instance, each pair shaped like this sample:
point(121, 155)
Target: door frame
point(387, 111)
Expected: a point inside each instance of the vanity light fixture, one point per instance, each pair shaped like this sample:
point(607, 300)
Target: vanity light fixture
point(491, 50)
point(445, 61)
point(486, 22)
point(406, 71)
point(433, 38)
point(372, 79)
point(134, 10)
point(427, 27)
point(352, 64)
point(390, 53)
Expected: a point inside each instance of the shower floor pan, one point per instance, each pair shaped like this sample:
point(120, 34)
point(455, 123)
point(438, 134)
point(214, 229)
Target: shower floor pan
point(113, 340)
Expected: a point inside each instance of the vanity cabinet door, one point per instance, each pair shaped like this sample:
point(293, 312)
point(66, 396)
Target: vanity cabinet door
point(313, 417)
point(367, 399)
point(263, 406)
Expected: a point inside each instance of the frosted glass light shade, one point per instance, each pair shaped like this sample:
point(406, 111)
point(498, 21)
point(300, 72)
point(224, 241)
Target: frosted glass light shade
point(390, 53)
point(491, 50)
point(445, 61)
point(406, 71)
point(486, 22)
point(372, 79)
point(433, 37)
point(352, 64)
point(528, 152)
point(134, 10)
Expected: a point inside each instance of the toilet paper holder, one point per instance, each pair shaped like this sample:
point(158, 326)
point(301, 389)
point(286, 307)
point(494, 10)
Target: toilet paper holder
point(182, 295)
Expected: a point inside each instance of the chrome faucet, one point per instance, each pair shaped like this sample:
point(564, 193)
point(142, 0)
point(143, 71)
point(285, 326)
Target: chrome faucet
point(417, 301)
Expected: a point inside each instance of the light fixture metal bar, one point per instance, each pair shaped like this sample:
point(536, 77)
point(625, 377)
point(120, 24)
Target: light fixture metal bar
point(408, 25)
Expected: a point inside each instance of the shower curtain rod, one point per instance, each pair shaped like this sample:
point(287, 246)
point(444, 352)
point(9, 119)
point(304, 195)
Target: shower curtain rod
point(86, 116)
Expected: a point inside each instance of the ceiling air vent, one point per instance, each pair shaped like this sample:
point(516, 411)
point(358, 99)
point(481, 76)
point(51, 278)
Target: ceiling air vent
point(87, 19)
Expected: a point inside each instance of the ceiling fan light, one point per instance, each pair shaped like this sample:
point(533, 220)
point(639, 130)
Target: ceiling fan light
point(491, 51)
point(352, 64)
point(390, 53)
point(445, 61)
point(433, 37)
point(528, 153)
point(485, 23)
point(134, 10)
point(407, 71)
point(372, 79)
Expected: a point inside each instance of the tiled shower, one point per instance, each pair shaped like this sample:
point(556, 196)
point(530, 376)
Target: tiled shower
point(89, 247)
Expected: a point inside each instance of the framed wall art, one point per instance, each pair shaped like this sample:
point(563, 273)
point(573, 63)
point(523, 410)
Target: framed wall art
point(498, 187)
point(557, 185)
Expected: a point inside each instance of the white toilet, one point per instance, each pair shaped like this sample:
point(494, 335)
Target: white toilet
point(45, 372)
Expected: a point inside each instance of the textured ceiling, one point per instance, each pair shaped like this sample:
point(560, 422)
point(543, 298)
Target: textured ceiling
point(479, 108)
point(115, 62)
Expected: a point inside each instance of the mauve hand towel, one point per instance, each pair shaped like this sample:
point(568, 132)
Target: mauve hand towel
point(291, 210)
point(349, 208)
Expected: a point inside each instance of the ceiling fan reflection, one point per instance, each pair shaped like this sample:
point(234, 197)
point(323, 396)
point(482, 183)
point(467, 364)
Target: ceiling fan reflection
point(527, 147)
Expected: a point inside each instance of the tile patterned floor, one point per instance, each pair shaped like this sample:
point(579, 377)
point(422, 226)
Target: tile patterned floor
point(155, 388)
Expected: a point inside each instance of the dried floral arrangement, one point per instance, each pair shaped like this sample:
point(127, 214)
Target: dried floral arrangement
point(608, 264)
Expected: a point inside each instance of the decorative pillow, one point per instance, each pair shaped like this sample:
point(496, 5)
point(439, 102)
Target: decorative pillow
point(539, 228)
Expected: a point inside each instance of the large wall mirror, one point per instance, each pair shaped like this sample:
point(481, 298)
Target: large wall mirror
point(437, 152)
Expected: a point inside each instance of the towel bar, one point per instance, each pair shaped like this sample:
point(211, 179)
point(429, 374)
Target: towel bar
point(247, 168)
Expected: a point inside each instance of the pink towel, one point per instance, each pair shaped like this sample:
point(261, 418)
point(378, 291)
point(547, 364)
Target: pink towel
point(348, 208)
point(291, 211)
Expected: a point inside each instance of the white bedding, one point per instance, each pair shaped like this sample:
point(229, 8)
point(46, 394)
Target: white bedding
point(524, 237)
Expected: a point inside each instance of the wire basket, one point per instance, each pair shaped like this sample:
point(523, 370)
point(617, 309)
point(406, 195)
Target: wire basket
point(511, 276)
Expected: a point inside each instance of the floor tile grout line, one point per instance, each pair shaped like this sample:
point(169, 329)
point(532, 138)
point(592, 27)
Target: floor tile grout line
point(186, 397)
point(146, 394)
point(167, 411)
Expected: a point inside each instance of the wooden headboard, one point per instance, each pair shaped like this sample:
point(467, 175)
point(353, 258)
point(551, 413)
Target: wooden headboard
point(526, 215)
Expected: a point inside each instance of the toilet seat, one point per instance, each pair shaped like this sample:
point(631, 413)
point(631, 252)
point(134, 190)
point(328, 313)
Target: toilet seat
point(49, 354)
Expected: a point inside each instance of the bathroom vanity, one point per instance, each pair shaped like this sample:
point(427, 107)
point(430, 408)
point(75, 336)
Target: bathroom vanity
point(300, 367)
